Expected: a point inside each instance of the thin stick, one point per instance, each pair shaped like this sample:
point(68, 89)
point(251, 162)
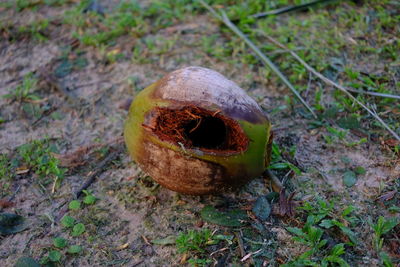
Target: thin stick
point(373, 93)
point(100, 168)
point(240, 243)
point(266, 60)
point(291, 8)
point(338, 86)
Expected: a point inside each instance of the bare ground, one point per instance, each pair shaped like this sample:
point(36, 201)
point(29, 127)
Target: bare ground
point(132, 210)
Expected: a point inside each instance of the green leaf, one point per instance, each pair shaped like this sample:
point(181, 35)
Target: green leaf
point(262, 208)
point(331, 112)
point(45, 261)
point(89, 200)
point(57, 115)
point(63, 69)
point(169, 240)
point(326, 224)
point(26, 262)
point(348, 210)
point(350, 122)
point(350, 234)
point(360, 170)
point(295, 169)
point(74, 249)
point(279, 166)
point(338, 250)
point(386, 260)
point(78, 229)
point(60, 242)
point(336, 259)
point(233, 218)
point(54, 255)
point(349, 178)
point(80, 62)
point(389, 225)
point(11, 223)
point(227, 238)
point(74, 205)
point(67, 221)
point(394, 209)
point(296, 231)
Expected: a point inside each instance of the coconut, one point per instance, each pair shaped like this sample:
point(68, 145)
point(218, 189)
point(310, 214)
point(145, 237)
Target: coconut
point(196, 132)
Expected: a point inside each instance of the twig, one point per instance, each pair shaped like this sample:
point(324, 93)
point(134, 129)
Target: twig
point(334, 84)
point(240, 243)
point(63, 209)
point(291, 8)
point(80, 155)
point(266, 60)
point(250, 254)
point(137, 263)
point(373, 93)
point(44, 114)
point(93, 175)
point(15, 193)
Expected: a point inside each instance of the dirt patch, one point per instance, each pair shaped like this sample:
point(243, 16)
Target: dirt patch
point(331, 162)
point(131, 209)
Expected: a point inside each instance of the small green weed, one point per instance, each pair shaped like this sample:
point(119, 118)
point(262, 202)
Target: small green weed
point(37, 156)
point(279, 163)
point(7, 173)
point(126, 19)
point(25, 90)
point(35, 30)
point(55, 2)
point(322, 215)
point(68, 221)
point(381, 227)
point(312, 237)
point(74, 249)
point(199, 262)
point(55, 253)
point(74, 205)
point(195, 243)
point(78, 229)
point(89, 198)
point(22, 4)
point(6, 168)
point(62, 245)
point(54, 256)
point(60, 242)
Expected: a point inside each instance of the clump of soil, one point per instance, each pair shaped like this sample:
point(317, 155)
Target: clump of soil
point(197, 127)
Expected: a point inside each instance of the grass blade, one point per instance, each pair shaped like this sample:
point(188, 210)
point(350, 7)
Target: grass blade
point(336, 85)
point(266, 60)
point(292, 8)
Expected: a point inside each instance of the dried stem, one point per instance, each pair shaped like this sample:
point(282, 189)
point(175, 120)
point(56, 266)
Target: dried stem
point(230, 25)
point(266, 60)
point(334, 84)
point(292, 8)
point(373, 93)
point(99, 169)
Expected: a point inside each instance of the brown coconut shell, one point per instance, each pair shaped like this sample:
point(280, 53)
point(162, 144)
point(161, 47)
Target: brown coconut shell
point(189, 136)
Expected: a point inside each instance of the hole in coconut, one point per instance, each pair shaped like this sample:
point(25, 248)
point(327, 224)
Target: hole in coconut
point(206, 132)
point(196, 127)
